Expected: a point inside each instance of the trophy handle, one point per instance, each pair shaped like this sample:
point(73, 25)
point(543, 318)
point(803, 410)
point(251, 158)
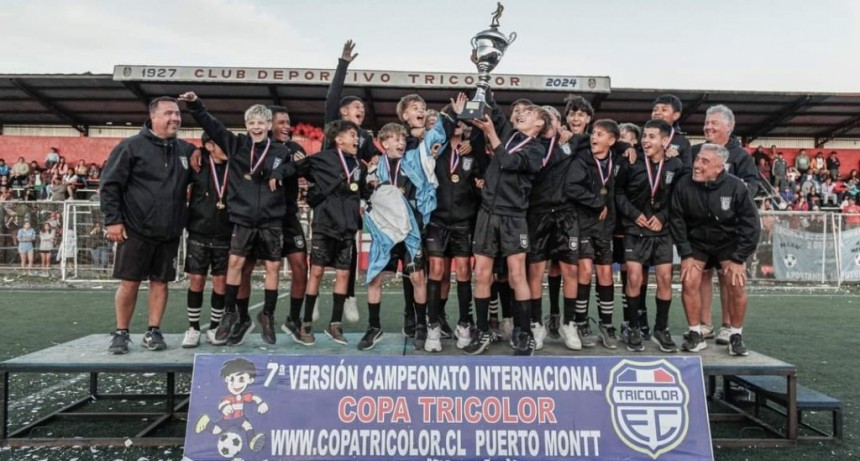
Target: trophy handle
point(512, 37)
point(475, 42)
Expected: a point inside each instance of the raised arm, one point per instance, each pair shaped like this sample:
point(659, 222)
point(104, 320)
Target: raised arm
point(335, 88)
point(221, 136)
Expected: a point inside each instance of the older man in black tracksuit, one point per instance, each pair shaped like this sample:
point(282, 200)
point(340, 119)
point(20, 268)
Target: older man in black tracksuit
point(714, 223)
point(143, 188)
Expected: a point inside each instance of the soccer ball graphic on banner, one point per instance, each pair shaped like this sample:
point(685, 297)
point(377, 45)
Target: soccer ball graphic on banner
point(229, 444)
point(790, 260)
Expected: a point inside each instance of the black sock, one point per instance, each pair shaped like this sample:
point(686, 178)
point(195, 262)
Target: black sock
point(623, 276)
point(662, 321)
point(195, 305)
point(605, 303)
point(353, 270)
point(373, 310)
point(536, 310)
point(633, 303)
point(217, 303)
point(296, 310)
point(421, 314)
point(506, 299)
point(482, 313)
point(464, 300)
point(434, 301)
point(337, 307)
point(122, 330)
point(242, 307)
point(569, 309)
point(270, 301)
point(442, 303)
point(643, 295)
point(408, 296)
point(522, 319)
point(494, 300)
point(230, 294)
point(310, 300)
point(582, 296)
point(554, 285)
point(152, 327)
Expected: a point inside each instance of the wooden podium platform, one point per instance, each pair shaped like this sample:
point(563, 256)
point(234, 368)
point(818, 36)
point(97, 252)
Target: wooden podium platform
point(88, 355)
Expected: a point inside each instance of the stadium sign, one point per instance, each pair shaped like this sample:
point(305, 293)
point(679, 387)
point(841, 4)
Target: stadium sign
point(287, 407)
point(375, 78)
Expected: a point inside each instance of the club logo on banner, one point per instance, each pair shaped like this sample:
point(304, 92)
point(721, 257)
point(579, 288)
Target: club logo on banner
point(649, 405)
point(421, 408)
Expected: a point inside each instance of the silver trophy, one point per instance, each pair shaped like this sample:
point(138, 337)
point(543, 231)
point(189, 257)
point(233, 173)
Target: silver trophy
point(488, 47)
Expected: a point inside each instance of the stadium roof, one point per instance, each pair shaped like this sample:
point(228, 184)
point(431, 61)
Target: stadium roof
point(84, 100)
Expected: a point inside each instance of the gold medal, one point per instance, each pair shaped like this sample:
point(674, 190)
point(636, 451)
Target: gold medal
point(220, 205)
point(247, 176)
point(353, 187)
point(603, 191)
point(455, 178)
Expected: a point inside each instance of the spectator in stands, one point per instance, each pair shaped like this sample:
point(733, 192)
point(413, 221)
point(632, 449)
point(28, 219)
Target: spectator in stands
point(788, 195)
point(52, 158)
point(29, 194)
point(20, 173)
point(34, 167)
point(61, 168)
point(793, 177)
point(828, 192)
point(54, 220)
point(760, 155)
point(47, 235)
point(800, 204)
point(70, 181)
point(4, 169)
point(26, 237)
point(764, 170)
point(100, 251)
point(93, 176)
point(801, 162)
point(779, 172)
point(59, 191)
point(818, 163)
point(81, 172)
point(833, 165)
point(852, 213)
point(4, 181)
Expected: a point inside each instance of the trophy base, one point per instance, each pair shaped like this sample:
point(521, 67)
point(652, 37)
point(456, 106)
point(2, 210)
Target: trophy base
point(475, 110)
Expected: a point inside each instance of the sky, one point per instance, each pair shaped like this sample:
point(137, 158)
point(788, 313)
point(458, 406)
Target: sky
point(785, 45)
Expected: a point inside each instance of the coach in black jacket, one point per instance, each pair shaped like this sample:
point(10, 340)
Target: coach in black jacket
point(714, 223)
point(142, 197)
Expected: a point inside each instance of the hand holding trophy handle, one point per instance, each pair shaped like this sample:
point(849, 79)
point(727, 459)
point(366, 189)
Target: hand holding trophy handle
point(488, 48)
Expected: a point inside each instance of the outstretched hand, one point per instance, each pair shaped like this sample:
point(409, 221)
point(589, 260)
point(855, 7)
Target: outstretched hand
point(347, 51)
point(459, 104)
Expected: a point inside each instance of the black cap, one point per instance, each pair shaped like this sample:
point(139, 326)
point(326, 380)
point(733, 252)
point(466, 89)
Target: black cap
point(346, 100)
point(671, 100)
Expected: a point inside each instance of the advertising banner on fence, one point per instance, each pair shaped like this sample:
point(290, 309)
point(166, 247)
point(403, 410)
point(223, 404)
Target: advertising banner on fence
point(803, 256)
point(461, 408)
point(850, 254)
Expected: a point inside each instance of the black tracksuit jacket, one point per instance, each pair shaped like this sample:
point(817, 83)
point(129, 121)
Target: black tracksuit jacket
point(206, 222)
point(143, 186)
point(589, 223)
point(633, 194)
point(366, 149)
point(457, 203)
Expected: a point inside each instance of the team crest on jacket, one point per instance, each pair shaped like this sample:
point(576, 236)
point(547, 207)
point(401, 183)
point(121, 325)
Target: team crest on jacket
point(184, 160)
point(524, 240)
point(276, 164)
point(566, 148)
point(467, 164)
point(300, 241)
point(669, 176)
point(573, 243)
point(726, 203)
point(356, 174)
point(649, 403)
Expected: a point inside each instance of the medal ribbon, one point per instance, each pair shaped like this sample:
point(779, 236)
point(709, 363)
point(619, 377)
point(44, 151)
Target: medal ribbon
point(549, 151)
point(253, 165)
point(345, 168)
point(653, 181)
point(219, 188)
point(518, 146)
point(604, 178)
point(455, 159)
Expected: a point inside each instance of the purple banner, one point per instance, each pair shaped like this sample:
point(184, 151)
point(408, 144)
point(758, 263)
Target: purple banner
point(285, 407)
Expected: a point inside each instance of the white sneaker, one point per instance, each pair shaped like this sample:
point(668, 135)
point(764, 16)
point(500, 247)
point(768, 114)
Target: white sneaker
point(507, 328)
point(350, 310)
point(316, 314)
point(723, 336)
point(464, 335)
point(191, 339)
point(434, 339)
point(569, 333)
point(539, 334)
point(210, 335)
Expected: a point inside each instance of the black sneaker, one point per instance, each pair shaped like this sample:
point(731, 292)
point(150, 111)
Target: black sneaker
point(119, 342)
point(420, 337)
point(447, 332)
point(372, 336)
point(289, 327)
point(524, 344)
point(222, 334)
point(240, 332)
point(552, 325)
point(480, 342)
point(736, 345)
point(634, 340)
point(154, 340)
point(643, 325)
point(409, 324)
point(267, 325)
point(693, 342)
point(585, 335)
point(664, 339)
point(495, 330)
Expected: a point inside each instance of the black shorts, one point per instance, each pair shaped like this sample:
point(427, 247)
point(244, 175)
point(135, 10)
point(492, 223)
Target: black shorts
point(554, 236)
point(597, 249)
point(294, 236)
point(713, 256)
point(618, 249)
point(497, 235)
point(400, 254)
point(202, 258)
point(448, 241)
point(261, 243)
point(332, 252)
point(139, 260)
point(648, 250)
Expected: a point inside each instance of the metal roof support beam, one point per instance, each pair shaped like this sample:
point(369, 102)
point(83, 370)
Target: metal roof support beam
point(772, 122)
point(45, 102)
point(690, 109)
point(368, 109)
point(138, 92)
point(276, 98)
point(823, 137)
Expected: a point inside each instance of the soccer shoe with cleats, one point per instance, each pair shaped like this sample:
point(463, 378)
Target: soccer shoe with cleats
point(119, 342)
point(154, 340)
point(693, 342)
point(434, 339)
point(737, 346)
point(372, 336)
point(191, 338)
point(570, 335)
point(608, 337)
point(539, 335)
point(663, 339)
